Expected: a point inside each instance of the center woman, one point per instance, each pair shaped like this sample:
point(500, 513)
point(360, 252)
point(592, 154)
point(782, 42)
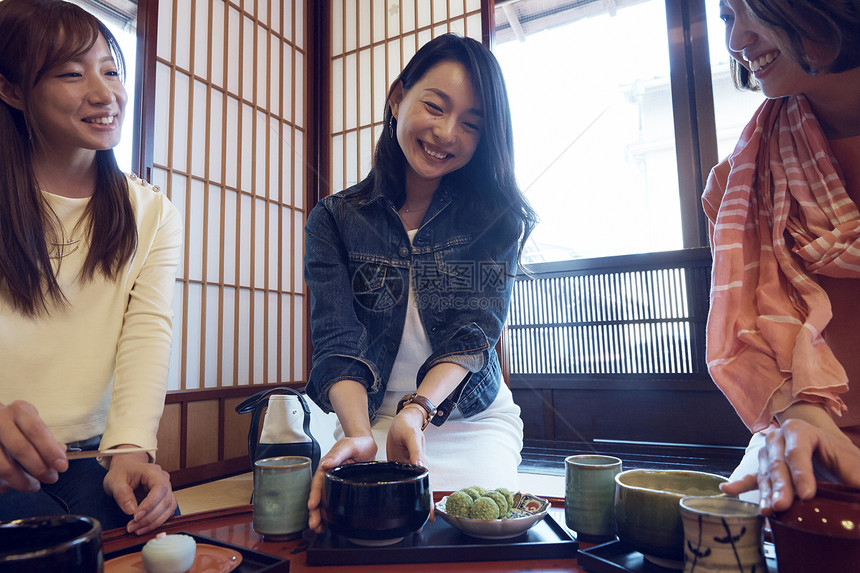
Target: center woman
point(410, 275)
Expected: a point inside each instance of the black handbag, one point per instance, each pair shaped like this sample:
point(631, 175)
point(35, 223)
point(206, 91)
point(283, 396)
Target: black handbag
point(279, 427)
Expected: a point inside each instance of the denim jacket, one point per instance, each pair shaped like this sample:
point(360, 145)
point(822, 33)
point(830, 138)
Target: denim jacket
point(358, 263)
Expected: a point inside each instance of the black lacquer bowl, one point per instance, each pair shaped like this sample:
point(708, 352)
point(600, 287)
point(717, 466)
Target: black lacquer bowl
point(52, 543)
point(376, 503)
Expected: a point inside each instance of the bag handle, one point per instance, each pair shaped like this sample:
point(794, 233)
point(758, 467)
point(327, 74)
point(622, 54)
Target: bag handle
point(260, 400)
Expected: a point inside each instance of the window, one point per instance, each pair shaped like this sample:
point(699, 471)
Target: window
point(593, 82)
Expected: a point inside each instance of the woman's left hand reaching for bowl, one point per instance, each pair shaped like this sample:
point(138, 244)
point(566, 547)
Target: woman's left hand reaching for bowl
point(345, 451)
point(131, 473)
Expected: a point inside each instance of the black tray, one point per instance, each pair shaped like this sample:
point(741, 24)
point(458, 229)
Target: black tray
point(616, 556)
point(439, 542)
point(252, 561)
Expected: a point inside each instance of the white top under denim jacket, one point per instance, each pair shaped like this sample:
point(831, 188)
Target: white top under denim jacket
point(358, 264)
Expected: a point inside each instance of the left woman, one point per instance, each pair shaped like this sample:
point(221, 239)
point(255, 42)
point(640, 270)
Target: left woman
point(87, 264)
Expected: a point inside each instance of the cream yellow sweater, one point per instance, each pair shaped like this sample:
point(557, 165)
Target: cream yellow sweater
point(98, 365)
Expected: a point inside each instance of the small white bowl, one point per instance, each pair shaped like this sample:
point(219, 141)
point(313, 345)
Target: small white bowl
point(491, 528)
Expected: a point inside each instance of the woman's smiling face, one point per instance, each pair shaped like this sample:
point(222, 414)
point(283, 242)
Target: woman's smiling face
point(764, 51)
point(439, 121)
point(79, 105)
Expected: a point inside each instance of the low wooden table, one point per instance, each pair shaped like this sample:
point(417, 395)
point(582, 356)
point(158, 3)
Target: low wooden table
point(233, 525)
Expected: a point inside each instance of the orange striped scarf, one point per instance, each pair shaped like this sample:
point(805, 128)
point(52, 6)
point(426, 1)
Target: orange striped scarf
point(781, 215)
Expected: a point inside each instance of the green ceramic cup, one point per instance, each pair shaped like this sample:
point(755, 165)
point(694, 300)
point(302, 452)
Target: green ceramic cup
point(590, 494)
point(281, 489)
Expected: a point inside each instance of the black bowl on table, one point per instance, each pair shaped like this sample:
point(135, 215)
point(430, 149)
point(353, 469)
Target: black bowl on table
point(376, 503)
point(51, 543)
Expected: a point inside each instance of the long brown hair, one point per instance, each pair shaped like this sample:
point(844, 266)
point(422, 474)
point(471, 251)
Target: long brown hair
point(36, 36)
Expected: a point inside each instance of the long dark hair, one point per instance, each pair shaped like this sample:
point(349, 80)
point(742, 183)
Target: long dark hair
point(491, 190)
point(832, 24)
point(36, 36)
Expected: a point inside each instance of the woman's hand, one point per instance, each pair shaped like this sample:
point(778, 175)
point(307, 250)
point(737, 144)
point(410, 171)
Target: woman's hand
point(345, 451)
point(405, 441)
point(786, 464)
point(29, 454)
point(133, 474)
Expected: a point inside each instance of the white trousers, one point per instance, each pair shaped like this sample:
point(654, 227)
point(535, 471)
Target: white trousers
point(482, 450)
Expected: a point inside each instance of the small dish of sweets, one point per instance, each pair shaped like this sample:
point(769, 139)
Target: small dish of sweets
point(491, 514)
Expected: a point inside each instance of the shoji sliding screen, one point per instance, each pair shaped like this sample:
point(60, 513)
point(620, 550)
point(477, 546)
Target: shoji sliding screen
point(371, 41)
point(229, 149)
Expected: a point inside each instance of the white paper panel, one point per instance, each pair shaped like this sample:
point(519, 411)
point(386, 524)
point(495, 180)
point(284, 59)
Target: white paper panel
point(300, 25)
point(364, 26)
point(165, 30)
point(407, 11)
point(218, 43)
point(233, 53)
point(337, 164)
point(286, 163)
point(173, 373)
point(350, 83)
point(473, 5)
point(349, 31)
point(159, 177)
point(379, 15)
point(183, 38)
point(456, 7)
point(259, 343)
point(276, 15)
point(245, 237)
point(337, 27)
point(180, 121)
point(216, 136)
point(351, 163)
point(210, 357)
point(195, 230)
point(337, 95)
point(274, 159)
point(231, 207)
point(458, 26)
point(298, 249)
point(286, 337)
point(366, 151)
point(246, 182)
point(247, 59)
point(249, 7)
point(275, 86)
point(288, 82)
point(260, 155)
point(286, 253)
point(272, 314)
point(473, 26)
point(299, 94)
point(393, 18)
point(231, 143)
point(394, 58)
point(263, 12)
point(228, 321)
point(262, 68)
point(440, 10)
point(213, 234)
point(299, 181)
point(260, 242)
point(162, 114)
point(298, 338)
point(365, 88)
point(243, 340)
point(380, 83)
point(424, 36)
point(198, 131)
point(274, 245)
point(424, 18)
point(201, 39)
point(192, 337)
point(409, 49)
point(293, 18)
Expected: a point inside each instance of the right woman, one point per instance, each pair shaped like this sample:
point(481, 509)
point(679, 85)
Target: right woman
point(782, 332)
